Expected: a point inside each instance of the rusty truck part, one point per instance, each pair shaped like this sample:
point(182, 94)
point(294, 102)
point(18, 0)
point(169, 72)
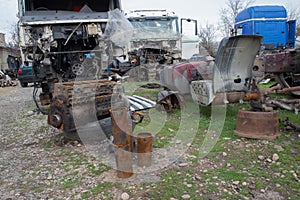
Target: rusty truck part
point(293, 101)
point(170, 100)
point(230, 73)
point(122, 128)
point(144, 149)
point(251, 96)
point(257, 125)
point(61, 109)
point(290, 89)
point(284, 66)
point(283, 62)
point(287, 104)
point(81, 95)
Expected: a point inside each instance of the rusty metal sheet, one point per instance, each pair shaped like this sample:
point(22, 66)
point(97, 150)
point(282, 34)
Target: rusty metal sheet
point(287, 61)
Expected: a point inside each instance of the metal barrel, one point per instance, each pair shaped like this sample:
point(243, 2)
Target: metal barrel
point(144, 149)
point(124, 161)
point(257, 125)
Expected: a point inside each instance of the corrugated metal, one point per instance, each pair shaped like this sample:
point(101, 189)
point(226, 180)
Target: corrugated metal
point(140, 103)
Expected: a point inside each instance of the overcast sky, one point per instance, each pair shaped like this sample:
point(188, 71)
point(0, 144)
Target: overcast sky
point(204, 11)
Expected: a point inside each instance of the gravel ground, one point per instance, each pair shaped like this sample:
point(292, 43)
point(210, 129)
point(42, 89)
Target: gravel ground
point(34, 158)
point(37, 162)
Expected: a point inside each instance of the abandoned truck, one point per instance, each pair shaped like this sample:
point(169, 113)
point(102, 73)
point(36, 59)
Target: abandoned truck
point(278, 57)
point(64, 40)
point(70, 44)
point(156, 40)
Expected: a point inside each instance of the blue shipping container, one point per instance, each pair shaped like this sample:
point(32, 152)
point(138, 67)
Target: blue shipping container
point(268, 21)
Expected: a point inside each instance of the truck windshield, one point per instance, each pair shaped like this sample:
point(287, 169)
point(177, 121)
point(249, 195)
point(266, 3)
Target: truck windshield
point(152, 28)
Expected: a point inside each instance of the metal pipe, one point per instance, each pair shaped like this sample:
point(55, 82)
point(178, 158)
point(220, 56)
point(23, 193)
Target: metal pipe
point(295, 101)
point(272, 89)
point(281, 105)
point(123, 141)
point(291, 89)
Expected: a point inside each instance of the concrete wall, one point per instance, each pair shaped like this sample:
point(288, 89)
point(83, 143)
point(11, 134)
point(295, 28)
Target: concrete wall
point(4, 52)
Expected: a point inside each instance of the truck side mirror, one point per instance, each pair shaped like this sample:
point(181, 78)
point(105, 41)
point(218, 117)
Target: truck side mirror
point(189, 20)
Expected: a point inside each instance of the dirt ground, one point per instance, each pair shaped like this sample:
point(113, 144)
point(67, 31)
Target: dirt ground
point(37, 162)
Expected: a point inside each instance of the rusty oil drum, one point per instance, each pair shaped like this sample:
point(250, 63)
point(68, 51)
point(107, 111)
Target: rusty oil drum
point(123, 142)
point(257, 125)
point(144, 149)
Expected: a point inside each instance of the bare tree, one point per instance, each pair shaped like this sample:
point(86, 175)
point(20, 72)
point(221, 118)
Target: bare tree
point(14, 40)
point(207, 36)
point(229, 13)
point(294, 13)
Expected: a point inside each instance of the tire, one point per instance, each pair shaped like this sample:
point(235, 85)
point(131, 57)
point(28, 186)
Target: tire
point(24, 84)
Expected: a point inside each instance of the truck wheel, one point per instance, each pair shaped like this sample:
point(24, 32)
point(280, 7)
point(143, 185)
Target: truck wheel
point(24, 84)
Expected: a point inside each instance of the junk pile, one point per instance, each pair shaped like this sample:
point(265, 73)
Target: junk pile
point(6, 80)
point(291, 104)
point(259, 122)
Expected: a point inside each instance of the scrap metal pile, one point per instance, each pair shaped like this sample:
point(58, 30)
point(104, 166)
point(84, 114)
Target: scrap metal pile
point(283, 66)
point(6, 80)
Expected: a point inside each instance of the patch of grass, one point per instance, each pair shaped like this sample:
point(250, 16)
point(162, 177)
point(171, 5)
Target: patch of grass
point(212, 188)
point(101, 187)
point(86, 195)
point(134, 88)
point(97, 170)
point(47, 145)
point(174, 185)
point(39, 190)
point(71, 182)
point(75, 158)
point(259, 184)
point(226, 174)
